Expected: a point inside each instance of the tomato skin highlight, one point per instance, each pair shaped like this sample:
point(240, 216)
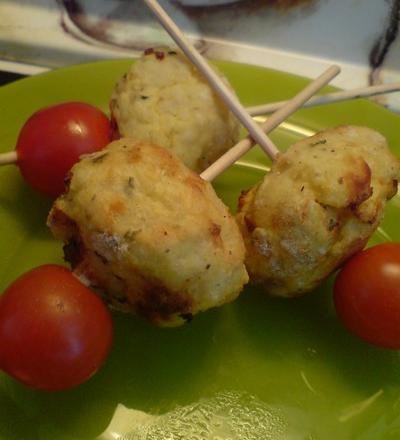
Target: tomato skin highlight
point(55, 333)
point(367, 295)
point(52, 140)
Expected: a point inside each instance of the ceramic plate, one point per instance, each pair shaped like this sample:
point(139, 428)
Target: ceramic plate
point(259, 368)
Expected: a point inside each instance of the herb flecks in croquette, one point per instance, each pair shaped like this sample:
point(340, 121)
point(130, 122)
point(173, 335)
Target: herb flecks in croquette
point(320, 142)
point(131, 234)
point(99, 158)
point(129, 186)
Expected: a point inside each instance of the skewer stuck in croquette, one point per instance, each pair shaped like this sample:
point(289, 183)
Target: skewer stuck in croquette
point(319, 205)
point(164, 100)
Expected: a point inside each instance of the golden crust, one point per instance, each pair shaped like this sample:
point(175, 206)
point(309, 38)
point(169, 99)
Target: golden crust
point(151, 233)
point(319, 205)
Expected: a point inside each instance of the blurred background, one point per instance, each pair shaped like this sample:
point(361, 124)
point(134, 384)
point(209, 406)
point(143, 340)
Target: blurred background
point(296, 36)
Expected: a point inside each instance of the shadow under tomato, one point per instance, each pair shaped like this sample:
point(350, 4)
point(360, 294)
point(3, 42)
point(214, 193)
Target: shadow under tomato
point(305, 334)
point(13, 422)
point(26, 241)
point(21, 205)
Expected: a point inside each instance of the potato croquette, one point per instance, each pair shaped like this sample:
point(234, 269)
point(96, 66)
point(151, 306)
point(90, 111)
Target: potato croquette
point(140, 226)
point(163, 99)
point(319, 205)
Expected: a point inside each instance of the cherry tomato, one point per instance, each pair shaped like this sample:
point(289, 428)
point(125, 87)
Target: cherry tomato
point(54, 332)
point(54, 138)
point(367, 295)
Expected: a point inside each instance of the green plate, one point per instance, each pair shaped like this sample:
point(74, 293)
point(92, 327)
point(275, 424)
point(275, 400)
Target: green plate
point(259, 368)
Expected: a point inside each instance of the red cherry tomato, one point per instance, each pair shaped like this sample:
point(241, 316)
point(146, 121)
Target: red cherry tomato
point(54, 138)
point(367, 295)
point(54, 332)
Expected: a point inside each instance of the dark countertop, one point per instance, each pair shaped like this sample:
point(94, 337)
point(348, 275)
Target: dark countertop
point(7, 77)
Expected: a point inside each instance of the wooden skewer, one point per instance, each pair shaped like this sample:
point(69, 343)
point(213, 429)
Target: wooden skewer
point(345, 95)
point(8, 158)
point(214, 80)
point(237, 151)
